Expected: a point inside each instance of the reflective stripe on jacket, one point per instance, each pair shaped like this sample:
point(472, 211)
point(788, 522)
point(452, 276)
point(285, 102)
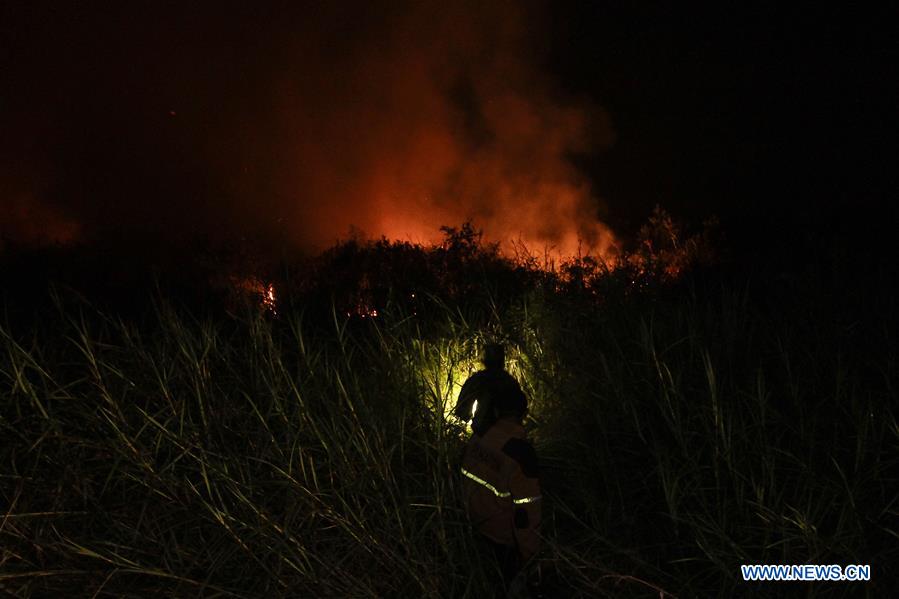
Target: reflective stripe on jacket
point(501, 487)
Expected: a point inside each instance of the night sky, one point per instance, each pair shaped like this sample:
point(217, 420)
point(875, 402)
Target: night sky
point(293, 123)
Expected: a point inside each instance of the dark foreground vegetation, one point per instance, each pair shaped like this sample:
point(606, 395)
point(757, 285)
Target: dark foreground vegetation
point(686, 425)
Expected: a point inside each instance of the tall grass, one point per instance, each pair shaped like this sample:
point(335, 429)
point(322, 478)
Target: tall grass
point(679, 438)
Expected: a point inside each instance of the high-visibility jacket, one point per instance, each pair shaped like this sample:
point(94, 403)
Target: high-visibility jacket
point(501, 486)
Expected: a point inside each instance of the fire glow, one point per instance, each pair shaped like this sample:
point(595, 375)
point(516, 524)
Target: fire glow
point(260, 293)
point(393, 124)
point(269, 302)
point(457, 126)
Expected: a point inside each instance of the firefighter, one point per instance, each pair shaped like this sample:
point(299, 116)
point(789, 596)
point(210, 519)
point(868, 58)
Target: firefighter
point(499, 468)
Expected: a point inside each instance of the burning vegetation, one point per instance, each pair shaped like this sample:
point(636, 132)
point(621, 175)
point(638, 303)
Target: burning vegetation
point(364, 279)
point(262, 293)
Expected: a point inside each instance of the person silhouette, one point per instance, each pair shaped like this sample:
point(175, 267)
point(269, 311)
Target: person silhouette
point(480, 389)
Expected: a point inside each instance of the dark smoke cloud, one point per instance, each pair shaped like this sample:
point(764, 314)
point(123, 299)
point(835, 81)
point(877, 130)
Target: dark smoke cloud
point(294, 125)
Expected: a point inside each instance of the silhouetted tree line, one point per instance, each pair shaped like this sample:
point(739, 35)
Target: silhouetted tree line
point(357, 279)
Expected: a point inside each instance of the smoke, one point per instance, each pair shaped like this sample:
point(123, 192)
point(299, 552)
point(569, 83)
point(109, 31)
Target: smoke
point(301, 126)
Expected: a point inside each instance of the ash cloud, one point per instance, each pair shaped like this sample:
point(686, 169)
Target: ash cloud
point(296, 126)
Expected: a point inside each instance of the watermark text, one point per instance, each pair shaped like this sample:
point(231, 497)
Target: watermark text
point(805, 572)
